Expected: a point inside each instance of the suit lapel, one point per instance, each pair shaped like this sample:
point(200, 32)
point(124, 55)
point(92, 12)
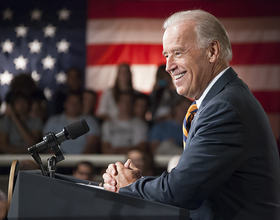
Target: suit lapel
point(228, 76)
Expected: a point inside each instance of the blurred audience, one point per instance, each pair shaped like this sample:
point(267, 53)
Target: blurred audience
point(88, 143)
point(3, 205)
point(28, 165)
point(24, 83)
point(89, 102)
point(125, 132)
point(84, 170)
point(143, 161)
point(74, 84)
point(18, 130)
point(38, 106)
point(107, 107)
point(1, 108)
point(141, 107)
point(163, 95)
point(165, 137)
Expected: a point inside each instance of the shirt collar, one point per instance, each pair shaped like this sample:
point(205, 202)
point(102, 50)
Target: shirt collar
point(199, 101)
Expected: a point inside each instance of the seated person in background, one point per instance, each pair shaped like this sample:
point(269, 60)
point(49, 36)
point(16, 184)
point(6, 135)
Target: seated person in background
point(87, 143)
point(141, 107)
point(39, 106)
point(24, 83)
point(107, 107)
point(89, 102)
point(125, 132)
point(166, 136)
point(163, 95)
point(74, 84)
point(143, 161)
point(84, 170)
point(17, 130)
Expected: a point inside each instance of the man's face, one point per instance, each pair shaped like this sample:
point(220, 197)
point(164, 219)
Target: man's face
point(188, 66)
point(73, 106)
point(83, 172)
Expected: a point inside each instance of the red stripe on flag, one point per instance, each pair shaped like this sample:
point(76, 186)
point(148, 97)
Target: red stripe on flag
point(136, 54)
point(162, 9)
point(257, 53)
point(243, 54)
point(269, 100)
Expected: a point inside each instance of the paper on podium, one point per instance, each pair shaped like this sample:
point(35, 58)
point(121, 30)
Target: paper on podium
point(93, 186)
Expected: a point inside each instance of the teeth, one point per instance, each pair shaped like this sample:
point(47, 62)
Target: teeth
point(179, 76)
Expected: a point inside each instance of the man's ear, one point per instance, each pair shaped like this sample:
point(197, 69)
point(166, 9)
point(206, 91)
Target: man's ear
point(214, 51)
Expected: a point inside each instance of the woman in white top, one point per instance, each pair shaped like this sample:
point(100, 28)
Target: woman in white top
point(107, 108)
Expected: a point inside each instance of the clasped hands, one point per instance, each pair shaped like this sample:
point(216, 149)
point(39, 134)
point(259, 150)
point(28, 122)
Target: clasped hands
point(119, 175)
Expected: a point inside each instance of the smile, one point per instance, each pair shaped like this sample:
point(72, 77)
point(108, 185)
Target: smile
point(179, 76)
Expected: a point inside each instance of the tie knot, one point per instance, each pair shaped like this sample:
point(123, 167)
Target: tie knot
point(192, 109)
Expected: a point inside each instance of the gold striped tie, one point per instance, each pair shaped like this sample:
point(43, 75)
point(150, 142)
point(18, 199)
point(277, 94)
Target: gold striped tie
point(188, 120)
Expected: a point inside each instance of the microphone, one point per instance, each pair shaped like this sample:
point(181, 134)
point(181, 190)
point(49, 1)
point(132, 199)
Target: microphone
point(71, 131)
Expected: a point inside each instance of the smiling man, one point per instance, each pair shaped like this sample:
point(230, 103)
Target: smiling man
point(229, 169)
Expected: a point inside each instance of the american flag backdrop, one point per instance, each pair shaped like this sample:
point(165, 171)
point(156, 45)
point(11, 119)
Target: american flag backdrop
point(98, 35)
point(43, 38)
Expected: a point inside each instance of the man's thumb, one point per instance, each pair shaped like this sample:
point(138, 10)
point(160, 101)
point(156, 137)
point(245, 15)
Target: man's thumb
point(132, 166)
point(127, 163)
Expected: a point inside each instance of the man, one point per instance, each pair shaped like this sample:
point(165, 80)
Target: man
point(18, 130)
point(124, 133)
point(88, 143)
point(74, 79)
point(230, 166)
point(84, 170)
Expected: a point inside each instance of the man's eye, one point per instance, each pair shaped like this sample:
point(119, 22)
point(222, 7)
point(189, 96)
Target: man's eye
point(177, 53)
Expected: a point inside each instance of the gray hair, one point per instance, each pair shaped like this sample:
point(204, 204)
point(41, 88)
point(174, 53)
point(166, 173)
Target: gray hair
point(207, 29)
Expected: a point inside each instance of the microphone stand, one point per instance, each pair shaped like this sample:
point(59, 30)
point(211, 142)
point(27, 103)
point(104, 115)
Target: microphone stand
point(50, 143)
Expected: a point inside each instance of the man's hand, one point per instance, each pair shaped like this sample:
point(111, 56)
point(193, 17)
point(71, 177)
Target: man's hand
point(119, 175)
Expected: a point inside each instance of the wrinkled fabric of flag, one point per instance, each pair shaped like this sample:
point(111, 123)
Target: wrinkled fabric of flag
point(98, 35)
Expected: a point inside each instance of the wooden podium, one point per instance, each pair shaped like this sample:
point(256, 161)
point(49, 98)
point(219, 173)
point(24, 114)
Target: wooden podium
point(63, 197)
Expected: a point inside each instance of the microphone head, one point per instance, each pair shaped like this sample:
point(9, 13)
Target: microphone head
point(77, 129)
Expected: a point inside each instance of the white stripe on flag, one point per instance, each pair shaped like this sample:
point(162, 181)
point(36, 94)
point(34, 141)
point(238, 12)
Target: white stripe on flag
point(143, 30)
point(260, 77)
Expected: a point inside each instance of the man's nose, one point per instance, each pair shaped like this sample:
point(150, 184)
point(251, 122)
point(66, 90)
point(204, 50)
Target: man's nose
point(170, 65)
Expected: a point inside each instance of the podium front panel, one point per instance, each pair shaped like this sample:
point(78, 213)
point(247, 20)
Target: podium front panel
point(39, 197)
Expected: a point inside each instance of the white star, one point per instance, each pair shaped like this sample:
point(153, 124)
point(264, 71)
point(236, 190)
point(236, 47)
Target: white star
point(48, 93)
point(36, 76)
point(49, 30)
point(35, 46)
point(48, 62)
point(21, 31)
point(63, 14)
point(6, 78)
point(63, 46)
point(60, 77)
point(7, 46)
point(7, 14)
point(20, 62)
point(36, 14)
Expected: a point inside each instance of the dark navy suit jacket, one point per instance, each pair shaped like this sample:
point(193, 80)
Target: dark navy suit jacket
point(229, 169)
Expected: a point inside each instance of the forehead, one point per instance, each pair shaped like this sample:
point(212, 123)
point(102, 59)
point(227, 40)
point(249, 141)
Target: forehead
point(179, 35)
